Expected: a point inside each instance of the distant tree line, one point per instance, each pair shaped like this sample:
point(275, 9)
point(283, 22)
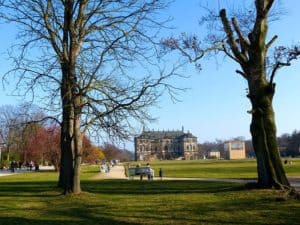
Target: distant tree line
point(25, 141)
point(288, 144)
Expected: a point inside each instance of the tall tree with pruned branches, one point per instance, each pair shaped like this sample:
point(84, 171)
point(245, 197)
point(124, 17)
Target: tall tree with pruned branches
point(243, 38)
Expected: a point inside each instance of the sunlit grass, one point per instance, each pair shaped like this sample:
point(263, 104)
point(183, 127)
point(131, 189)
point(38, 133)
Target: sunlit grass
point(33, 199)
point(242, 169)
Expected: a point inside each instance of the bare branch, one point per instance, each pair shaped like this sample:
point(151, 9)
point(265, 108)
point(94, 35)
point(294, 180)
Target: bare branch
point(271, 41)
point(244, 43)
point(227, 28)
point(241, 73)
point(283, 56)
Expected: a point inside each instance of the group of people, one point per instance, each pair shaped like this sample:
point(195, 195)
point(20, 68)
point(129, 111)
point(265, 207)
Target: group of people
point(288, 162)
point(15, 165)
point(18, 165)
point(105, 165)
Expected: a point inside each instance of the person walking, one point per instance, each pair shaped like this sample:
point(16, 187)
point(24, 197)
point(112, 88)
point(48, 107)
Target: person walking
point(160, 173)
point(12, 166)
point(148, 171)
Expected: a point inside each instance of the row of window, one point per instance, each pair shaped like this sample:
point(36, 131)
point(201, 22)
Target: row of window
point(159, 140)
point(167, 141)
point(166, 148)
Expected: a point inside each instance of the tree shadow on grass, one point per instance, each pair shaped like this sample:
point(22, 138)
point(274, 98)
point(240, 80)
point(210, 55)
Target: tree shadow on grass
point(250, 210)
point(158, 187)
point(29, 189)
point(118, 187)
point(100, 207)
point(24, 221)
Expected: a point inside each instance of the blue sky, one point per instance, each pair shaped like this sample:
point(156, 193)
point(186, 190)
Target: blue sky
point(215, 105)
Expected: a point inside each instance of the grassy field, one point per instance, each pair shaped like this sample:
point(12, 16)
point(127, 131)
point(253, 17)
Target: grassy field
point(243, 169)
point(33, 199)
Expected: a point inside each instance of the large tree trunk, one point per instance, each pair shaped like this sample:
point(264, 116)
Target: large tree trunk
point(71, 146)
point(67, 133)
point(77, 146)
point(263, 130)
point(66, 175)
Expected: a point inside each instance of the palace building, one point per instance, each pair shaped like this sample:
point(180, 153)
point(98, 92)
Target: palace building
point(164, 145)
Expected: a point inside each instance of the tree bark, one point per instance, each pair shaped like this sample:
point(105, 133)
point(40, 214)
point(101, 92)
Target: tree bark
point(67, 131)
point(263, 130)
point(77, 146)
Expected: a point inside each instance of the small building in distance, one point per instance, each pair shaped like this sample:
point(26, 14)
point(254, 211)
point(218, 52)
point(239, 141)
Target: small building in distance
point(235, 149)
point(165, 145)
point(214, 154)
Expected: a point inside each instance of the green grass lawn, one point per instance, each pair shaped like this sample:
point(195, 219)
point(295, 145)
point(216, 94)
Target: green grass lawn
point(243, 169)
point(33, 199)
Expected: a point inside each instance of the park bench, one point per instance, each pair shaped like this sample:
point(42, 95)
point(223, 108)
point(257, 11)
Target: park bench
point(140, 171)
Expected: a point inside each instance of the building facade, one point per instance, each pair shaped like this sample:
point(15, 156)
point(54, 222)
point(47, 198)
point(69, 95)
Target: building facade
point(165, 145)
point(214, 154)
point(235, 150)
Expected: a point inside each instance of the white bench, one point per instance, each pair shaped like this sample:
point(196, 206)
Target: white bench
point(140, 171)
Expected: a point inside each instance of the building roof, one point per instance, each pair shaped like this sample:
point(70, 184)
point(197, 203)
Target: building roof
point(188, 135)
point(232, 141)
point(165, 134)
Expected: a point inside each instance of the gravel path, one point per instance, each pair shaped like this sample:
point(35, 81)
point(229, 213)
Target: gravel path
point(8, 172)
point(116, 172)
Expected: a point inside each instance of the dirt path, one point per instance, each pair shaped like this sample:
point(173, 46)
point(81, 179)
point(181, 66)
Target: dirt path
point(5, 174)
point(8, 172)
point(116, 172)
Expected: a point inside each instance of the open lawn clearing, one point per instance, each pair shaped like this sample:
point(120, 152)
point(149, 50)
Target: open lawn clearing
point(32, 198)
point(238, 169)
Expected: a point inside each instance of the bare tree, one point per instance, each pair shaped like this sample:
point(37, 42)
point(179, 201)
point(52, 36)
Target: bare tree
point(243, 38)
point(8, 128)
point(84, 50)
point(15, 128)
